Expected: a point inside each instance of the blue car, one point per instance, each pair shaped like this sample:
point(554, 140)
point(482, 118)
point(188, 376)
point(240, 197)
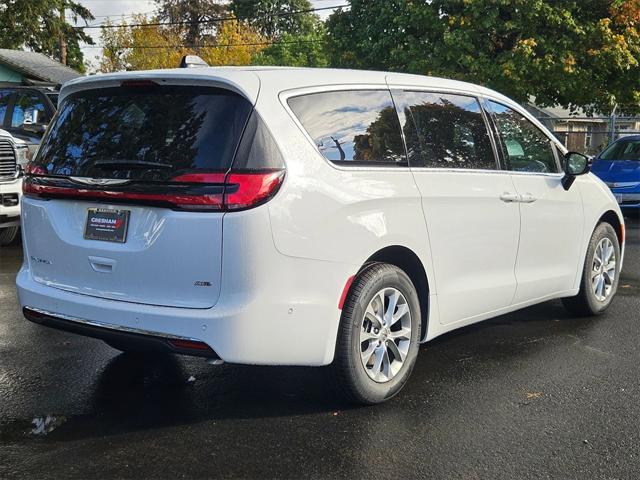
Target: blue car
point(619, 167)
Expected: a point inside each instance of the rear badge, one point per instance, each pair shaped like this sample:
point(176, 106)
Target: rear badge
point(107, 225)
point(201, 283)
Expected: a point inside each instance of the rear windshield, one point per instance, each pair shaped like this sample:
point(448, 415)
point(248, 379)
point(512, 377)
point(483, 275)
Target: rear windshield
point(622, 150)
point(144, 133)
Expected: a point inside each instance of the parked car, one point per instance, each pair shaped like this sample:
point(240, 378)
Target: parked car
point(25, 111)
point(284, 216)
point(619, 167)
point(13, 157)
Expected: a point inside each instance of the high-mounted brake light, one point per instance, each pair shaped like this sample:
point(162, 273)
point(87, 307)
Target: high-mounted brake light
point(138, 83)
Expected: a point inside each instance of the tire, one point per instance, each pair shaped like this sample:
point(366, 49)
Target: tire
point(8, 235)
point(590, 299)
point(355, 380)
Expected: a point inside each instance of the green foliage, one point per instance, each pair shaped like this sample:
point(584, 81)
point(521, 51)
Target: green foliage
point(567, 52)
point(297, 50)
point(36, 25)
point(260, 15)
point(196, 13)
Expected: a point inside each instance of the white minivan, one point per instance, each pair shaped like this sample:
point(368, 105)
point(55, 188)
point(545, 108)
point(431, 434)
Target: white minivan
point(282, 216)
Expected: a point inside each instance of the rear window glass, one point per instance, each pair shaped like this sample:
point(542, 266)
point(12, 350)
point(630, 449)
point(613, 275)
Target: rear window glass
point(144, 133)
point(623, 150)
point(352, 127)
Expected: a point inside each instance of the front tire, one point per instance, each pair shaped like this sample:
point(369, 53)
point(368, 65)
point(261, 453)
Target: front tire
point(8, 235)
point(600, 274)
point(379, 334)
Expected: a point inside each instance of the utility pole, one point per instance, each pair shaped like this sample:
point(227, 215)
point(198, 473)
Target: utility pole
point(62, 38)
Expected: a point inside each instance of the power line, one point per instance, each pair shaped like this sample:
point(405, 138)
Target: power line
point(212, 20)
point(215, 45)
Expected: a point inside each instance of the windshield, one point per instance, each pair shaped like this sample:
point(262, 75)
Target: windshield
point(624, 149)
point(144, 133)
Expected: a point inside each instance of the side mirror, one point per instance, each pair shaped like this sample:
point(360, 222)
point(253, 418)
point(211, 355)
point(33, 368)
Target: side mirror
point(574, 164)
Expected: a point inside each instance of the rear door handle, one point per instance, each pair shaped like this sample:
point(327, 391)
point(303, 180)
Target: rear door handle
point(510, 197)
point(102, 265)
point(527, 198)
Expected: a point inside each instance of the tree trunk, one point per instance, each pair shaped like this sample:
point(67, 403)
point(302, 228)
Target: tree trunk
point(63, 39)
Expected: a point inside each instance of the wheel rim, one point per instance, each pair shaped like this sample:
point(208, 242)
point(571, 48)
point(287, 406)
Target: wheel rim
point(385, 335)
point(603, 270)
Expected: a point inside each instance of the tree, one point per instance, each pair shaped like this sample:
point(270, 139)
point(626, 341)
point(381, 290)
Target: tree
point(146, 45)
point(196, 18)
point(297, 50)
point(273, 18)
point(575, 54)
point(39, 25)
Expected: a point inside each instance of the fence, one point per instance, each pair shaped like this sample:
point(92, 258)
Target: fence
point(590, 135)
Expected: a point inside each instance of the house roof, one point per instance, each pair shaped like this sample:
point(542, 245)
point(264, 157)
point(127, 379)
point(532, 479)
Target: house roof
point(37, 66)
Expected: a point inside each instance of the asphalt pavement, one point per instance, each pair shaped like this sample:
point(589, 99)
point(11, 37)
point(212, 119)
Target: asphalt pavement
point(533, 394)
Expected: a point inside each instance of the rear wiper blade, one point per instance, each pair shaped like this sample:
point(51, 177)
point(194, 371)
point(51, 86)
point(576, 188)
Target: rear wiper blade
point(131, 163)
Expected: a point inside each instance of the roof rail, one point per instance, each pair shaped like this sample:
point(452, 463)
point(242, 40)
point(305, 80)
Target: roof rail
point(192, 61)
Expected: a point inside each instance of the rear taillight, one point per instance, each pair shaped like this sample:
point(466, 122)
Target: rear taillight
point(247, 190)
point(193, 191)
point(242, 190)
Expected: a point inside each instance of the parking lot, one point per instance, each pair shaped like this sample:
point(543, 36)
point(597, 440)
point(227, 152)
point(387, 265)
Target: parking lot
point(527, 395)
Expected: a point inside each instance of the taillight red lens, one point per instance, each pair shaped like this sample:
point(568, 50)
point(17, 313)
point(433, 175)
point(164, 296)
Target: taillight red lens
point(208, 192)
point(246, 190)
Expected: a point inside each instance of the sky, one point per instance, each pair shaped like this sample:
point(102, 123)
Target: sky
point(115, 9)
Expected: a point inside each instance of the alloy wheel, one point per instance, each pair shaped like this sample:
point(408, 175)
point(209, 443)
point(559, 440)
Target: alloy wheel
point(385, 335)
point(603, 271)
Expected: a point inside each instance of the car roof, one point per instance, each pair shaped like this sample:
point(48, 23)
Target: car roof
point(250, 80)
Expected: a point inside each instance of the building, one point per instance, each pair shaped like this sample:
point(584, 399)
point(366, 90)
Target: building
point(582, 133)
point(31, 68)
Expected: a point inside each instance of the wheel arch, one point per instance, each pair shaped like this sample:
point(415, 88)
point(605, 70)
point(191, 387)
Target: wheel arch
point(408, 261)
point(612, 218)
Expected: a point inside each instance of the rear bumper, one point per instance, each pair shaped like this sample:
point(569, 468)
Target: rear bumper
point(128, 338)
point(273, 309)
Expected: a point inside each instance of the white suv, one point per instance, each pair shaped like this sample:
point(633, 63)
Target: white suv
point(305, 217)
point(13, 157)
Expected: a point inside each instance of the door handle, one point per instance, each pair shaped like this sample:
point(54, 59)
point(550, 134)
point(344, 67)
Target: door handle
point(527, 198)
point(510, 197)
point(102, 265)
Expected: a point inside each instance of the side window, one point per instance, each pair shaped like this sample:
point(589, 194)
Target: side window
point(445, 131)
point(4, 103)
point(25, 108)
point(352, 127)
point(525, 147)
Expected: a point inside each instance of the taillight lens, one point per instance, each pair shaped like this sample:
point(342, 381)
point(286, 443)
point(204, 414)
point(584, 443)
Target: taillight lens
point(192, 191)
point(247, 190)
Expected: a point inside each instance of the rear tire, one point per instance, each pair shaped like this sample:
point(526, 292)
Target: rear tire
point(600, 274)
point(8, 235)
point(378, 336)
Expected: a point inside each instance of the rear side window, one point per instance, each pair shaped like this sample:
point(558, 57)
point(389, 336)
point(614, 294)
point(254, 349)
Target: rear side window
point(525, 147)
point(445, 131)
point(358, 128)
point(144, 133)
